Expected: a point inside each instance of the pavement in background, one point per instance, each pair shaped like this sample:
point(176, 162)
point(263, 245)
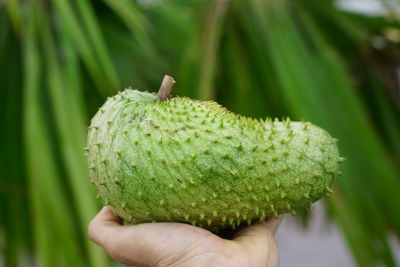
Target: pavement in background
point(319, 245)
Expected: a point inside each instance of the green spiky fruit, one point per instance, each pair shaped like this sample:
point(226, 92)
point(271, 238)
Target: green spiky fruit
point(190, 161)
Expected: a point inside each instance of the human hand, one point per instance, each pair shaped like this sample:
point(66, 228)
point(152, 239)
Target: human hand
point(178, 244)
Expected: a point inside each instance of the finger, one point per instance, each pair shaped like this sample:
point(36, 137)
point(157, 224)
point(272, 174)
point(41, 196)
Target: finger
point(259, 240)
point(272, 224)
point(101, 225)
point(259, 229)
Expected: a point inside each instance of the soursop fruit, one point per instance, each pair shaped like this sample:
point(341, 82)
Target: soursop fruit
point(155, 158)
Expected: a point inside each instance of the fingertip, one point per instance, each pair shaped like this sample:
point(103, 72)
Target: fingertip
point(259, 240)
point(106, 214)
point(272, 224)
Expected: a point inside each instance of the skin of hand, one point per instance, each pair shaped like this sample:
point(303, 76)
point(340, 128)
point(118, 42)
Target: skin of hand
point(177, 244)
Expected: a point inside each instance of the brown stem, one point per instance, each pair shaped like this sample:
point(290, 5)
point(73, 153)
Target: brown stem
point(166, 88)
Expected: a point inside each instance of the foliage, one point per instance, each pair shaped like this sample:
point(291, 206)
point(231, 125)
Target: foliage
point(305, 59)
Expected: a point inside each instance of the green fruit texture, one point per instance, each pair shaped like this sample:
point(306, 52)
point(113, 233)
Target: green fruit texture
point(183, 160)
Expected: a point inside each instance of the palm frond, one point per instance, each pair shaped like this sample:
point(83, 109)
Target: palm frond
point(305, 59)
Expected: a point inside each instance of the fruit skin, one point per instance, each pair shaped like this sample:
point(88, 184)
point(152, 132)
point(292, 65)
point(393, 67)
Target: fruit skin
point(190, 161)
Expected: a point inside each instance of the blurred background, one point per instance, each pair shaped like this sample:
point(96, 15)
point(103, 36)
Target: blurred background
point(334, 63)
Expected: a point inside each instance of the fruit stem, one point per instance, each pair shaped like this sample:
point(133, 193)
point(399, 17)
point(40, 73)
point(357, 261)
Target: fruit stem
point(166, 88)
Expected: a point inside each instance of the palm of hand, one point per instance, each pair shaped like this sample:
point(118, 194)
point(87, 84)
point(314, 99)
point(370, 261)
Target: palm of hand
point(176, 244)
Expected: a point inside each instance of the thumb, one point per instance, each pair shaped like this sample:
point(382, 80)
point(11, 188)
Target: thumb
point(102, 224)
